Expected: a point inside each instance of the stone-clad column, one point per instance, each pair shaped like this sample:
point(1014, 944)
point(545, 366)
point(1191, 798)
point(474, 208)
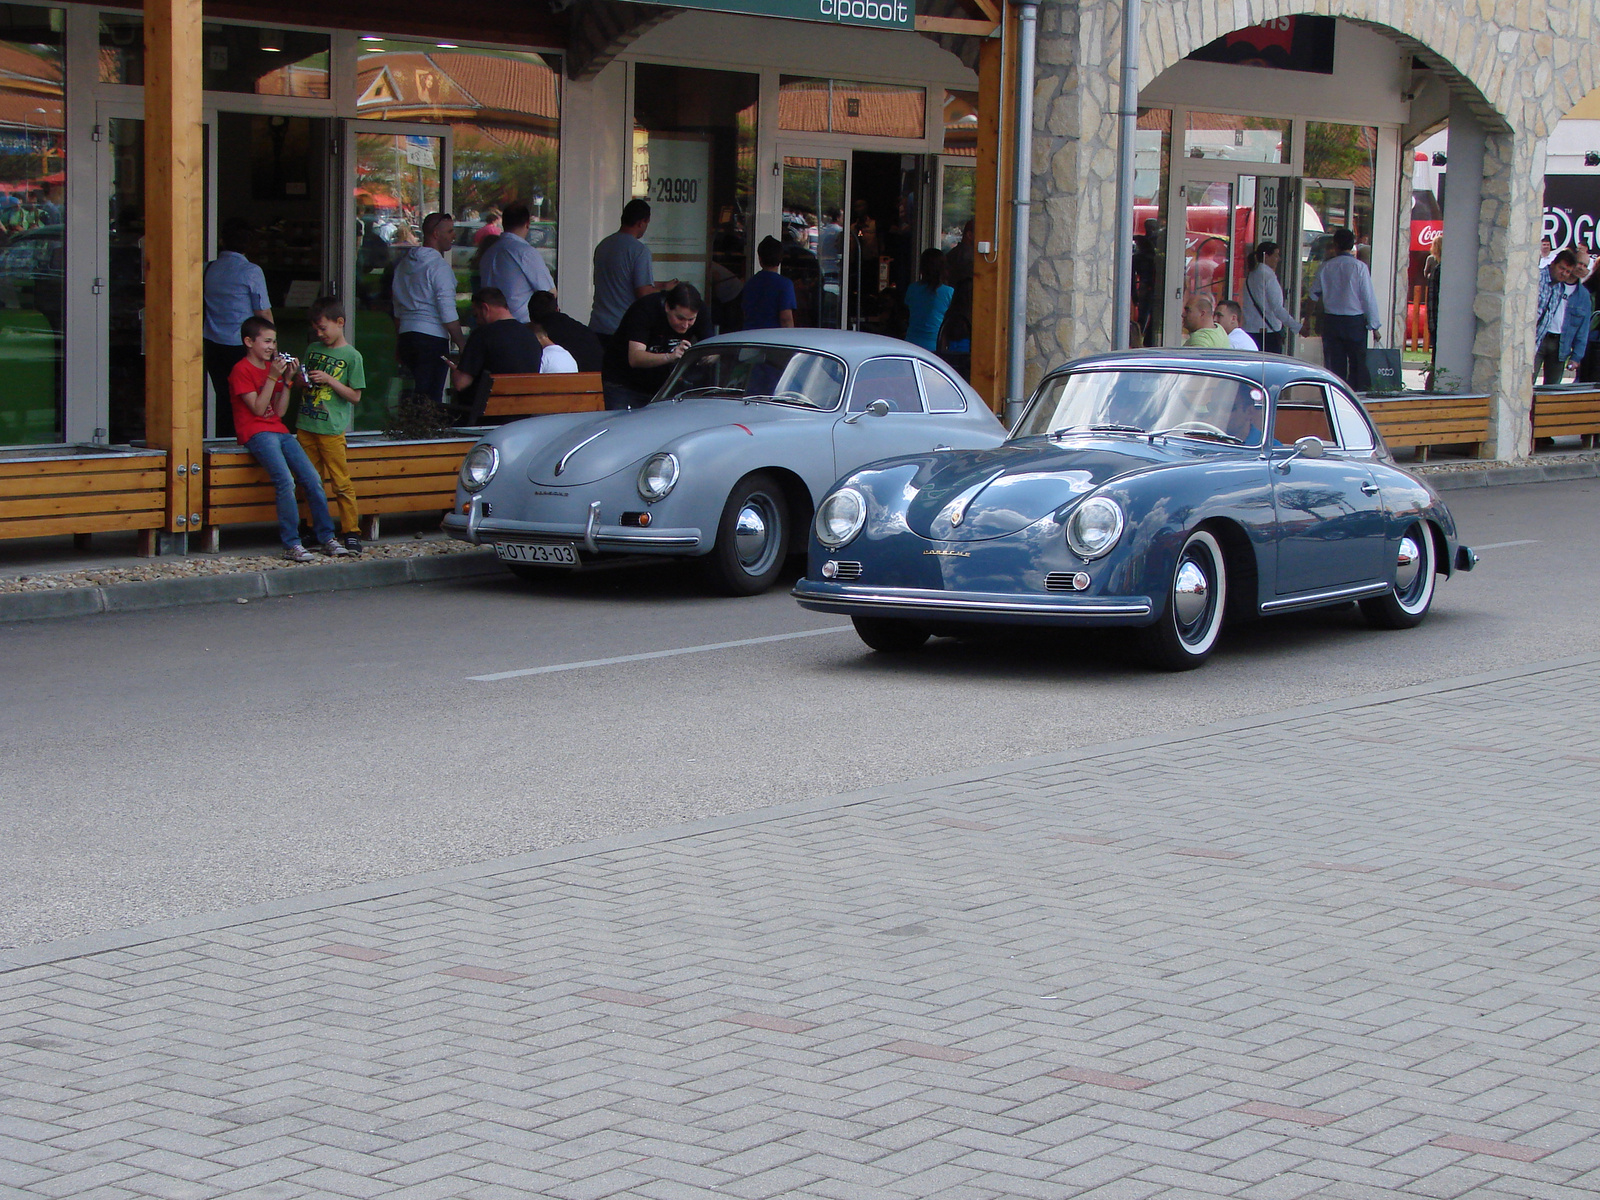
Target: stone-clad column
point(1073, 231)
point(1508, 292)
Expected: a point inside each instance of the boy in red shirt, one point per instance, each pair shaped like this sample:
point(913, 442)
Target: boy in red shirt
point(259, 388)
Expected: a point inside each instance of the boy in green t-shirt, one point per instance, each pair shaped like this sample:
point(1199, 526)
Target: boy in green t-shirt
point(335, 376)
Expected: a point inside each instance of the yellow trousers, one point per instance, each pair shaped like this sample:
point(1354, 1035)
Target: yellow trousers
point(326, 452)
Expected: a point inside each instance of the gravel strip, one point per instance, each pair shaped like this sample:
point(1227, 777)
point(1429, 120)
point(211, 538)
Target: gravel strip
point(1501, 464)
point(196, 566)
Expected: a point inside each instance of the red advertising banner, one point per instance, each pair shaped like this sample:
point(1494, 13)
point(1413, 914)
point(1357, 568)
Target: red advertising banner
point(1424, 234)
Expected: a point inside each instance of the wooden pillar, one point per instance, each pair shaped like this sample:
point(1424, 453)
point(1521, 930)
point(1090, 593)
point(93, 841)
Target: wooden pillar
point(174, 248)
point(992, 208)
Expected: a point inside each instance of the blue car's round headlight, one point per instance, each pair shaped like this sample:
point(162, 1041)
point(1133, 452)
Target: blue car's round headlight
point(658, 476)
point(1094, 527)
point(841, 517)
point(478, 468)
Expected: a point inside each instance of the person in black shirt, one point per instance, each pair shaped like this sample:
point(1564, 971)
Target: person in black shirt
point(576, 338)
point(499, 345)
point(650, 339)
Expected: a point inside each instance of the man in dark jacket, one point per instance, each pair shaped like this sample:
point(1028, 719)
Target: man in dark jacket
point(576, 338)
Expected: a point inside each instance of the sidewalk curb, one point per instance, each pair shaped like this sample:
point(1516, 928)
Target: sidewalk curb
point(85, 945)
point(1555, 472)
point(146, 594)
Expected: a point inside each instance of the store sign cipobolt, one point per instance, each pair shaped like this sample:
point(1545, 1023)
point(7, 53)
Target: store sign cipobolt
point(880, 14)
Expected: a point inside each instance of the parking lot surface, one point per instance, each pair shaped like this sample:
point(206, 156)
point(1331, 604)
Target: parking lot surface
point(1346, 951)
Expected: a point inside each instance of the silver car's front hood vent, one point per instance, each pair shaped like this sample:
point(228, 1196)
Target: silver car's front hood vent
point(585, 456)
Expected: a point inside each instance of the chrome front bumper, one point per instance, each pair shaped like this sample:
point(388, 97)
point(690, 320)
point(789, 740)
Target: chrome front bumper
point(594, 538)
point(988, 607)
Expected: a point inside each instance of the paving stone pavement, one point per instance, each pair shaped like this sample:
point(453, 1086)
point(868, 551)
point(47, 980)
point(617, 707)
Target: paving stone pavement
point(1346, 952)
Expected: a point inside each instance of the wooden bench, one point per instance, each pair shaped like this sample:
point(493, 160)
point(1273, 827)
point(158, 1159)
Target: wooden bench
point(1564, 411)
point(81, 494)
point(389, 477)
point(1427, 421)
point(515, 396)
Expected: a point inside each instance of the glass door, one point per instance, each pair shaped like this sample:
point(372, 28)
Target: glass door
point(1223, 217)
point(121, 281)
point(1327, 205)
point(395, 175)
point(816, 252)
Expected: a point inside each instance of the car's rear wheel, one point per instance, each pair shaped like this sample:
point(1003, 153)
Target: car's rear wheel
point(888, 635)
point(1190, 620)
point(752, 537)
point(1406, 604)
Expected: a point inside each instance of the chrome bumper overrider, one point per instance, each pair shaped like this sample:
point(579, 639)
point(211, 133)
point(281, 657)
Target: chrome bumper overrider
point(929, 603)
point(487, 530)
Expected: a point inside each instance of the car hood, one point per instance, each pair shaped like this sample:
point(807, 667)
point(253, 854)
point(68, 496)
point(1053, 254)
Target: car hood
point(612, 441)
point(982, 494)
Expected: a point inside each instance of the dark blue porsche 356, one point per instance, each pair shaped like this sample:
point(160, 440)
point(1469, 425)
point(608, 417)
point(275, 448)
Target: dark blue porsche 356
point(1161, 490)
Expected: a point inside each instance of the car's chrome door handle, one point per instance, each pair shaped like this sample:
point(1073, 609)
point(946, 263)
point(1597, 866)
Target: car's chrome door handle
point(1369, 489)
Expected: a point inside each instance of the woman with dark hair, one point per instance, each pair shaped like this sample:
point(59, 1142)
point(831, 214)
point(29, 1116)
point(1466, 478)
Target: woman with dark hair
point(1265, 315)
point(928, 299)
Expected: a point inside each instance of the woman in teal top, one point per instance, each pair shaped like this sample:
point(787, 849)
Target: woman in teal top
point(928, 299)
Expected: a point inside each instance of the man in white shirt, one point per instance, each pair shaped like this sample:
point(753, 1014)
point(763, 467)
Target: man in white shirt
point(1230, 315)
point(424, 304)
point(513, 265)
point(1349, 308)
point(554, 360)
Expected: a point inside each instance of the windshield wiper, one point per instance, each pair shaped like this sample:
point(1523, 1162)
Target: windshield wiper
point(1215, 435)
point(711, 390)
point(1060, 433)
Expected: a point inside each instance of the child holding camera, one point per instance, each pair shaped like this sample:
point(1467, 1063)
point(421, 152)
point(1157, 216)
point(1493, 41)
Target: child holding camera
point(258, 387)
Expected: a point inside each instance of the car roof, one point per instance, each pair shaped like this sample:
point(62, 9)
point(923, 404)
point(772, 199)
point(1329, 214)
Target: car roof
point(851, 346)
point(1256, 367)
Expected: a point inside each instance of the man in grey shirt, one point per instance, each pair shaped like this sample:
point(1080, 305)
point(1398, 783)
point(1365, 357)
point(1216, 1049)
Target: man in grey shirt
point(513, 265)
point(623, 270)
point(424, 302)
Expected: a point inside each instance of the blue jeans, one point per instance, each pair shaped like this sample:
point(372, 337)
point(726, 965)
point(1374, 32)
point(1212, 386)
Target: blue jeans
point(283, 459)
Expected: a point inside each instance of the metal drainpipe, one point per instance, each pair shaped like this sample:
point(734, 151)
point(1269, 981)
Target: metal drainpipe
point(1122, 309)
point(1021, 194)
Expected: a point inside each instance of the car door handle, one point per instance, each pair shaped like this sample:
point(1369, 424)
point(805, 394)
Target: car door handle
point(1369, 489)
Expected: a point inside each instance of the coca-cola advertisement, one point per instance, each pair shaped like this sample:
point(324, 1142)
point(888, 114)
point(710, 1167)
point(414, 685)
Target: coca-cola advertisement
point(1287, 43)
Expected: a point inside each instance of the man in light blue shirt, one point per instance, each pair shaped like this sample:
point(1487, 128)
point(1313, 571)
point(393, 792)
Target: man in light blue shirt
point(513, 265)
point(623, 270)
point(424, 304)
point(1349, 309)
point(234, 290)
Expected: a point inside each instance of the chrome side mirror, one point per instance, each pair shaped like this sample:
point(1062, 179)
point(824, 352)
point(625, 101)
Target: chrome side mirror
point(878, 408)
point(1306, 447)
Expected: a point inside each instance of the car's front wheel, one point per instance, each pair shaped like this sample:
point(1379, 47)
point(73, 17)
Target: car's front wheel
point(890, 635)
point(1191, 614)
point(1406, 604)
point(752, 537)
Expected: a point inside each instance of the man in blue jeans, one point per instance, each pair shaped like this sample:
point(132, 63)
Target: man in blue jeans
point(259, 388)
point(1349, 309)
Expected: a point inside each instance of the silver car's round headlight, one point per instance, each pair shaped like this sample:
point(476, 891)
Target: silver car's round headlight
point(478, 468)
point(841, 517)
point(1095, 527)
point(658, 476)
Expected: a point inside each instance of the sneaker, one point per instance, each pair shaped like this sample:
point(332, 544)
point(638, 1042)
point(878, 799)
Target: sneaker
point(352, 543)
point(297, 553)
point(333, 549)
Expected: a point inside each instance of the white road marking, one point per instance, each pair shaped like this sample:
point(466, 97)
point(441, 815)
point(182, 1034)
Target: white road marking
point(628, 658)
point(1503, 545)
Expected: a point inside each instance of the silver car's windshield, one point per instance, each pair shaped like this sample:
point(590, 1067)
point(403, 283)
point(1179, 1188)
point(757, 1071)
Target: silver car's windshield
point(784, 374)
point(1216, 408)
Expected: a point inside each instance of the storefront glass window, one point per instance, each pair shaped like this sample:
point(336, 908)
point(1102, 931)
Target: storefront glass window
point(841, 106)
point(1152, 165)
point(32, 230)
point(1341, 162)
point(1229, 138)
point(694, 148)
point(961, 124)
point(237, 58)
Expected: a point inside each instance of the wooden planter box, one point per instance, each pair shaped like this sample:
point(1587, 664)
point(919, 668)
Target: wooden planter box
point(1566, 410)
point(82, 492)
point(390, 477)
point(1427, 419)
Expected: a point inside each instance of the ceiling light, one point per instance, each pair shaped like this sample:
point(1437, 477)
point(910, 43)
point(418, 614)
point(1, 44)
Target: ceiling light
point(446, 45)
point(271, 40)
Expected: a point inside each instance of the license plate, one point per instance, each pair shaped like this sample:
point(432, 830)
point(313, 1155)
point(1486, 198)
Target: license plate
point(557, 556)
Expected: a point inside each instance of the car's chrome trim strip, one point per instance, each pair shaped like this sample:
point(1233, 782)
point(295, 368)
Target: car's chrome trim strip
point(895, 598)
point(1316, 598)
point(562, 465)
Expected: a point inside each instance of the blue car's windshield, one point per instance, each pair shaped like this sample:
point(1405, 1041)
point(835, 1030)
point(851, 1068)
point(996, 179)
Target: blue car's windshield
point(785, 374)
point(1216, 408)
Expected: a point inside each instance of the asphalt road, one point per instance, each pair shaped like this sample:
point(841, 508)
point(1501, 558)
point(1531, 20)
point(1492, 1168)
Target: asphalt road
point(183, 761)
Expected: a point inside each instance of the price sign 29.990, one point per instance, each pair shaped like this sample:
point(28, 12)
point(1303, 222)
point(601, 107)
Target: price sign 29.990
point(667, 189)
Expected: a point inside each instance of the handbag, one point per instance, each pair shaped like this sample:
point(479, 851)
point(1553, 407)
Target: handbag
point(1383, 367)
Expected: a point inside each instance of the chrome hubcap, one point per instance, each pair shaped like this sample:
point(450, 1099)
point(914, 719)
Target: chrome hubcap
point(1406, 563)
point(750, 534)
point(1191, 592)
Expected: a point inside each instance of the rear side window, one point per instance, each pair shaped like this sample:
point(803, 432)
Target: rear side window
point(943, 395)
point(891, 379)
point(1354, 432)
point(1302, 412)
